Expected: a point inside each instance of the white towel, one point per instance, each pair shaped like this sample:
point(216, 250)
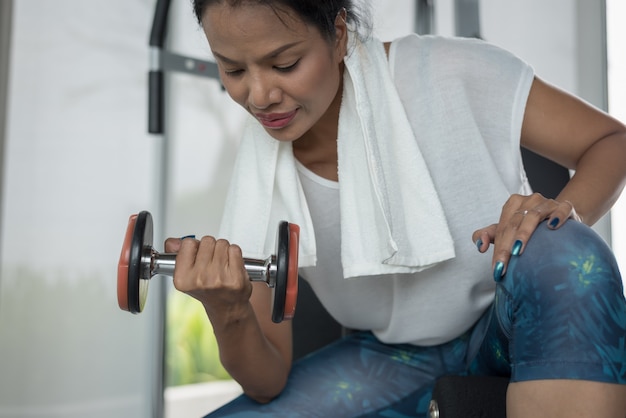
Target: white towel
point(391, 217)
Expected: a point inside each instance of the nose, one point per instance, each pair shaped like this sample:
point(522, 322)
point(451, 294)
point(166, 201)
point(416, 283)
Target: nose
point(263, 91)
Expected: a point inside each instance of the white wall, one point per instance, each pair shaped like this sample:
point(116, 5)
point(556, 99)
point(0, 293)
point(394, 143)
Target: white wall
point(77, 163)
point(547, 43)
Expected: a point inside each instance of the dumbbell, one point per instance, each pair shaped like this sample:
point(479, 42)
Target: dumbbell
point(139, 262)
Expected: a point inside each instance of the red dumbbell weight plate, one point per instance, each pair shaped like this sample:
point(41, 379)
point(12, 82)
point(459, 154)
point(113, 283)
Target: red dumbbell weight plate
point(132, 281)
point(292, 273)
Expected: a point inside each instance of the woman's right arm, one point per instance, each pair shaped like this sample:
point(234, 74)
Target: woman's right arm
point(256, 352)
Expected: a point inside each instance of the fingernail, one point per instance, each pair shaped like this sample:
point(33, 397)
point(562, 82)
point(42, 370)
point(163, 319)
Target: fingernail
point(498, 271)
point(479, 243)
point(188, 236)
point(554, 222)
point(517, 248)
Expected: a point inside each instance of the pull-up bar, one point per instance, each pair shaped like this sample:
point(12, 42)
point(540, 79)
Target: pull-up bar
point(162, 61)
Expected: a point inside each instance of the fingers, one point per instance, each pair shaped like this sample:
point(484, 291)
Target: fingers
point(209, 265)
point(211, 254)
point(235, 259)
point(483, 237)
point(520, 216)
point(563, 211)
point(518, 220)
point(172, 245)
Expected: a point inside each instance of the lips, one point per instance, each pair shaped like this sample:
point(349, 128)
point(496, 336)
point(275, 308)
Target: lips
point(276, 120)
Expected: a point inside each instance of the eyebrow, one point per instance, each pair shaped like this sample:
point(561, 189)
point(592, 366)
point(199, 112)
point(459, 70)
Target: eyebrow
point(271, 54)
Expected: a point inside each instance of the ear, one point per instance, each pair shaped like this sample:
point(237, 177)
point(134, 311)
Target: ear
point(341, 34)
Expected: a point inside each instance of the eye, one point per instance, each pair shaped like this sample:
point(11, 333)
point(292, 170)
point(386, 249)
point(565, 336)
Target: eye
point(287, 68)
point(233, 73)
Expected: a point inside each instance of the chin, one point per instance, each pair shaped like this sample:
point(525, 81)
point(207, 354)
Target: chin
point(283, 134)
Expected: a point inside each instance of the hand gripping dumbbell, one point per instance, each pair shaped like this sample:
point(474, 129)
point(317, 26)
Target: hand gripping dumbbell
point(139, 262)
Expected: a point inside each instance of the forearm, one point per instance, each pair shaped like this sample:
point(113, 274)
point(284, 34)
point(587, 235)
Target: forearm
point(599, 178)
point(248, 356)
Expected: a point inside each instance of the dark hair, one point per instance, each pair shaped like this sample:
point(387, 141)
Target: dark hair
point(319, 13)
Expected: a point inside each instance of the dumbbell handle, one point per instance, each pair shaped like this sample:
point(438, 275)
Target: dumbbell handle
point(258, 270)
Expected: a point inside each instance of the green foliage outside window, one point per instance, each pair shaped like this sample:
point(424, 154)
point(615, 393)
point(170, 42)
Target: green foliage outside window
point(192, 355)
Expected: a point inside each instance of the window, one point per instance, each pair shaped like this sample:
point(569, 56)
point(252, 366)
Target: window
point(616, 13)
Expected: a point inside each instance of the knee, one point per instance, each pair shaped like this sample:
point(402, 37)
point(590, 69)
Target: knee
point(563, 298)
point(573, 257)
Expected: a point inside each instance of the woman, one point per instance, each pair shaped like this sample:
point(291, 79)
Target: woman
point(389, 156)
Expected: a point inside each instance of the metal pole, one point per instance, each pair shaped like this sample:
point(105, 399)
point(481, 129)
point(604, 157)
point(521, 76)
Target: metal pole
point(424, 17)
point(6, 16)
point(467, 18)
point(156, 114)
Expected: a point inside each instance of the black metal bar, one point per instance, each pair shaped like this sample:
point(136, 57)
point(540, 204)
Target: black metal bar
point(179, 63)
point(156, 101)
point(162, 61)
point(156, 82)
point(158, 33)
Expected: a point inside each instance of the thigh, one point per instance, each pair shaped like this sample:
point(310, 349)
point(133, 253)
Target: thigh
point(561, 307)
point(359, 376)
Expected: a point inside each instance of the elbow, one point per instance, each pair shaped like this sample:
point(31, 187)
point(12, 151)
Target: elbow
point(265, 389)
point(265, 394)
point(610, 148)
point(261, 399)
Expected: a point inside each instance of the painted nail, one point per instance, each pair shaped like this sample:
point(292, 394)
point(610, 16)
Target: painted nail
point(517, 248)
point(498, 271)
point(479, 243)
point(188, 236)
point(554, 222)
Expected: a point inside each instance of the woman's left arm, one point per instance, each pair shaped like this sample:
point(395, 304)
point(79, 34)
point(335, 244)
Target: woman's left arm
point(578, 136)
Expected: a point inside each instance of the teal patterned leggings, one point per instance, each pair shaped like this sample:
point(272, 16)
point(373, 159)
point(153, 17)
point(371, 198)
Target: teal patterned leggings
point(559, 313)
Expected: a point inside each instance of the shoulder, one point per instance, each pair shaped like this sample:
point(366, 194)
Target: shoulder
point(452, 57)
point(448, 48)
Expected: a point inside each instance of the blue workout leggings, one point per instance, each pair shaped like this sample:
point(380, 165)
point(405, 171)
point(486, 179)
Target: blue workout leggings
point(559, 313)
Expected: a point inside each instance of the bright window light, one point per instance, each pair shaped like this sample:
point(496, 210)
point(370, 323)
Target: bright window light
point(616, 33)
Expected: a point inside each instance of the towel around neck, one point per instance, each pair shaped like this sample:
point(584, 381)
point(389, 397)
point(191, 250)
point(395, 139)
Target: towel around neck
point(391, 218)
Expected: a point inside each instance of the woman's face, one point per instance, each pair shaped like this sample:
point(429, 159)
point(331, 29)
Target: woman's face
point(278, 68)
